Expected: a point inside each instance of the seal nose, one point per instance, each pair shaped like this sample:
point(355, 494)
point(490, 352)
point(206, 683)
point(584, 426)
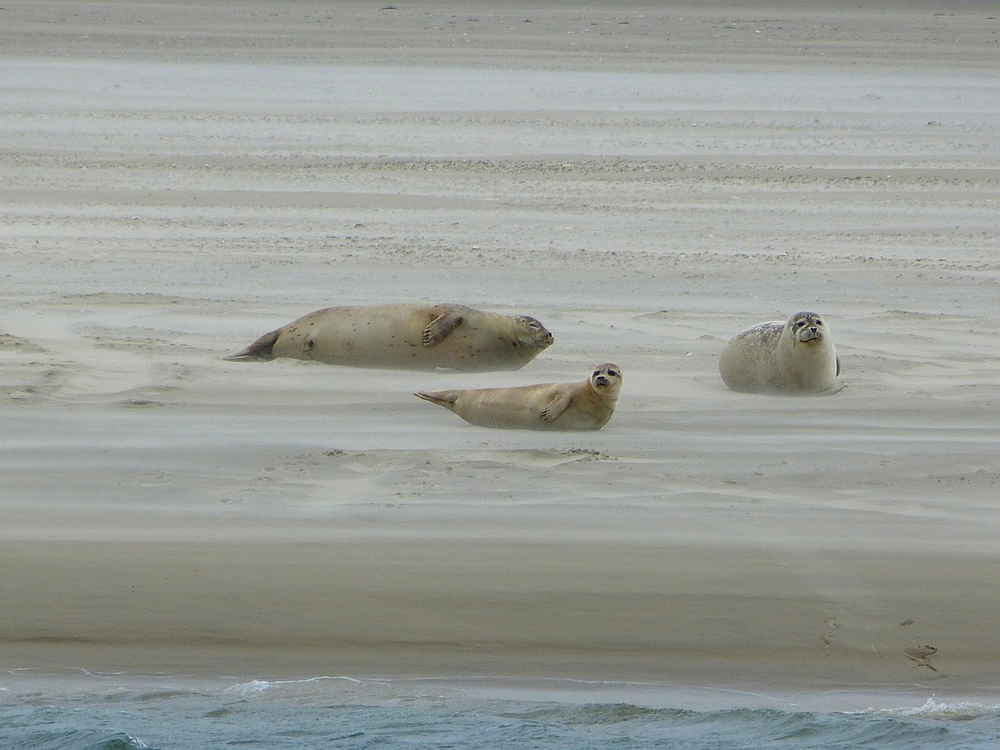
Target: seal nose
point(601, 380)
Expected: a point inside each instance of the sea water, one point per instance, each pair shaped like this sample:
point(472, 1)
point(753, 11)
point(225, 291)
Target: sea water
point(121, 712)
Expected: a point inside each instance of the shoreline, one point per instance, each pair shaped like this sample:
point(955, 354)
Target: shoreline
point(685, 691)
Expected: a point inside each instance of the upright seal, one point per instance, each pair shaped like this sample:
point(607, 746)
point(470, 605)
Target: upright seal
point(549, 406)
point(797, 356)
point(412, 337)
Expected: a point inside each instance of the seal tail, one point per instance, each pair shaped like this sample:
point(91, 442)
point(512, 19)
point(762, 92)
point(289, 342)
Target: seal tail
point(446, 399)
point(260, 349)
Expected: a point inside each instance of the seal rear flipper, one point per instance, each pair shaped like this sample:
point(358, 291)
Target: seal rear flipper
point(259, 349)
point(438, 329)
point(446, 399)
point(554, 409)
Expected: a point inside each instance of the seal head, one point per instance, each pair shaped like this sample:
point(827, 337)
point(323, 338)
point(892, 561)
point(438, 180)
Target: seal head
point(531, 333)
point(606, 380)
point(807, 328)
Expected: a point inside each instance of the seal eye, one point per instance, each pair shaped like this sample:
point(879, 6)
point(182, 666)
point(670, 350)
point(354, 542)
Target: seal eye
point(612, 373)
point(800, 324)
point(818, 322)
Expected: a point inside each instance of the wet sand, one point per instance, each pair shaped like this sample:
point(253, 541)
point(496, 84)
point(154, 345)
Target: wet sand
point(647, 182)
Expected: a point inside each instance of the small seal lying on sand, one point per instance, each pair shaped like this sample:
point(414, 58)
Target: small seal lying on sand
point(413, 337)
point(549, 406)
point(793, 357)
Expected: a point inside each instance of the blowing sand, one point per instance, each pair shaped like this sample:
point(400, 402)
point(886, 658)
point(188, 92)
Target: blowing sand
point(647, 181)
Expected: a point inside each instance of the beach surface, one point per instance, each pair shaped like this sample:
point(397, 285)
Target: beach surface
point(647, 181)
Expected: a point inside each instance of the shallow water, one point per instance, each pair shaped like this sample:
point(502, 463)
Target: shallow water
point(109, 712)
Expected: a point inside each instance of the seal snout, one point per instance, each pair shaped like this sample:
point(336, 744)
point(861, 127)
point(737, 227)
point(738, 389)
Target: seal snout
point(601, 381)
point(537, 335)
point(812, 333)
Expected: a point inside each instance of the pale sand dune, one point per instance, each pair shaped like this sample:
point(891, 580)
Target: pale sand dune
point(175, 182)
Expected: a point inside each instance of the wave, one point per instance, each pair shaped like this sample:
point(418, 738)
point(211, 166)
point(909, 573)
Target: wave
point(259, 686)
point(936, 709)
point(82, 740)
point(601, 713)
point(929, 726)
point(332, 710)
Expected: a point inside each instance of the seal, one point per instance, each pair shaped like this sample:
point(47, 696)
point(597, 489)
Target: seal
point(406, 336)
point(549, 406)
point(796, 356)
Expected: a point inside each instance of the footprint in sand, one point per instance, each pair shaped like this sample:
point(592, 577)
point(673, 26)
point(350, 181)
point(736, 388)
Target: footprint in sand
point(920, 655)
point(829, 636)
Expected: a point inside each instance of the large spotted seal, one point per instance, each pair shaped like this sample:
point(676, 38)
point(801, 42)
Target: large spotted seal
point(414, 337)
point(587, 405)
point(796, 356)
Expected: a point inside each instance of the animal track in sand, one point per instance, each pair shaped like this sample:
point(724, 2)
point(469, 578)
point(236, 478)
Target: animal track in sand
point(588, 454)
point(829, 635)
point(920, 655)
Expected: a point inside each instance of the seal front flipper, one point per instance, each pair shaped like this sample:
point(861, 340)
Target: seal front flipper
point(554, 409)
point(446, 399)
point(438, 329)
point(262, 348)
point(838, 365)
